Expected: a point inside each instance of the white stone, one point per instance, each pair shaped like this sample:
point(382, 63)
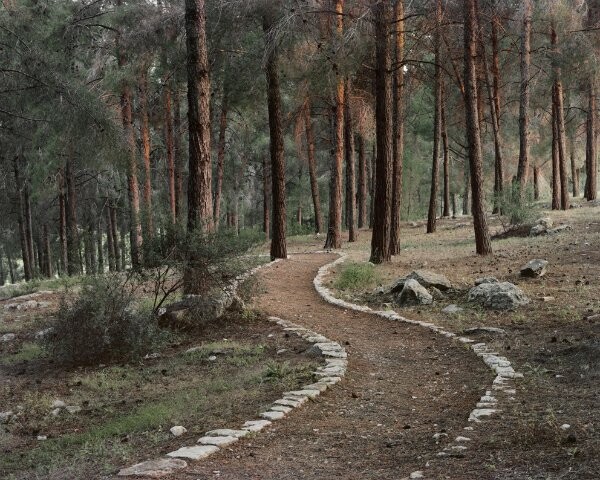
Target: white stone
point(565, 426)
point(7, 337)
point(288, 403)
point(153, 468)
point(476, 414)
point(272, 415)
point(226, 432)
point(417, 474)
point(178, 430)
point(41, 438)
point(55, 412)
point(320, 386)
point(197, 452)
point(255, 425)
point(73, 409)
point(281, 408)
point(218, 441)
point(462, 439)
point(303, 393)
point(58, 404)
point(5, 417)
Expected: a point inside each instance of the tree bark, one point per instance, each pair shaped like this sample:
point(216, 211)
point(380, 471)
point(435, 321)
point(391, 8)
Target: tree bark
point(27, 267)
point(560, 121)
point(398, 116)
point(591, 162)
point(200, 213)
point(34, 262)
point(73, 260)
point(437, 122)
point(145, 134)
point(110, 241)
point(362, 183)
point(220, 157)
point(483, 244)
point(47, 251)
point(350, 166)
point(115, 236)
point(278, 240)
point(536, 182)
point(312, 168)
point(574, 170)
point(523, 166)
point(444, 133)
point(170, 147)
point(334, 232)
point(62, 227)
point(382, 215)
point(99, 249)
point(556, 180)
point(372, 167)
point(178, 154)
point(266, 199)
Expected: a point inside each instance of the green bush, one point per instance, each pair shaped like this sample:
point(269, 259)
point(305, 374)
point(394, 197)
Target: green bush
point(356, 276)
point(102, 325)
point(516, 208)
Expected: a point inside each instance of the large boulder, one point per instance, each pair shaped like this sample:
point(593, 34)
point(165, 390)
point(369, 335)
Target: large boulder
point(480, 280)
point(414, 293)
point(498, 296)
point(426, 278)
point(534, 268)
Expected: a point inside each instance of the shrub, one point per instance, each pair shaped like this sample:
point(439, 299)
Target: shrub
point(515, 208)
point(356, 276)
point(102, 325)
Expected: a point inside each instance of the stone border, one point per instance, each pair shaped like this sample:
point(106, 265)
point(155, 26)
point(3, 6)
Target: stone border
point(330, 373)
point(502, 389)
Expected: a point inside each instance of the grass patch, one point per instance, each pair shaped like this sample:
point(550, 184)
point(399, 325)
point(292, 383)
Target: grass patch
point(29, 351)
point(25, 288)
point(356, 276)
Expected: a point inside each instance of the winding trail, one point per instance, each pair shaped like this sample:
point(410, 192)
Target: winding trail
point(403, 385)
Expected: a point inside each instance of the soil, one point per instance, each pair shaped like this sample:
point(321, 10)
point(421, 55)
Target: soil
point(403, 385)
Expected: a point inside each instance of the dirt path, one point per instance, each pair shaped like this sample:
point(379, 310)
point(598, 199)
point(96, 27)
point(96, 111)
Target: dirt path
point(403, 385)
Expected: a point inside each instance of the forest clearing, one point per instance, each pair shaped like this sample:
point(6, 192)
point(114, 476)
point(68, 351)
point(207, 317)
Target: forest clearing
point(299, 239)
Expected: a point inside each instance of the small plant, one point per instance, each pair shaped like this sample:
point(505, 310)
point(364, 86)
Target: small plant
point(102, 325)
point(356, 276)
point(516, 207)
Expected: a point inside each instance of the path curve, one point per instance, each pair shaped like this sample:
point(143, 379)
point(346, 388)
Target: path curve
point(403, 385)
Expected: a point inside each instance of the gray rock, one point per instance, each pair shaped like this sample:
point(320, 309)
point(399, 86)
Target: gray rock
point(397, 286)
point(73, 409)
point(414, 293)
point(534, 268)
point(560, 228)
point(379, 291)
point(256, 425)
point(537, 230)
point(476, 330)
point(218, 441)
point(177, 430)
point(480, 280)
point(431, 279)
point(197, 452)
point(153, 468)
point(498, 296)
point(545, 222)
point(58, 404)
point(452, 309)
point(5, 417)
point(43, 333)
point(7, 337)
point(227, 432)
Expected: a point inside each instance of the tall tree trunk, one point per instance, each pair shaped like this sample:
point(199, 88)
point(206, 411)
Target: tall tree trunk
point(350, 166)
point(334, 232)
point(62, 227)
point(278, 240)
point(73, 260)
point(312, 168)
point(466, 203)
point(483, 244)
point(178, 154)
point(574, 170)
point(116, 243)
point(27, 267)
point(372, 167)
point(220, 157)
point(556, 190)
point(34, 261)
point(200, 213)
point(11, 268)
point(444, 133)
point(382, 216)
point(145, 133)
point(398, 116)
point(560, 121)
point(523, 166)
point(363, 179)
point(110, 239)
point(266, 199)
point(123, 246)
point(100, 250)
point(170, 147)
point(591, 162)
point(437, 122)
point(47, 251)
point(536, 182)
point(2, 272)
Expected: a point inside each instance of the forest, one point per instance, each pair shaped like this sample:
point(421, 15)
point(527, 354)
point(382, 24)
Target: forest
point(195, 191)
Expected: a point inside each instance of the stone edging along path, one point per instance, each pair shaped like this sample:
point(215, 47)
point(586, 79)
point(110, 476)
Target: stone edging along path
point(329, 374)
point(502, 389)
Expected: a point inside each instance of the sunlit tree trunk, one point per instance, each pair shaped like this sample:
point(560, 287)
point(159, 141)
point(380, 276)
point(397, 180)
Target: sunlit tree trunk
point(382, 215)
point(483, 244)
point(312, 168)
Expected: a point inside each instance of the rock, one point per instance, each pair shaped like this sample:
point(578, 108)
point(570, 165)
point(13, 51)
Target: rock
point(5, 417)
point(430, 279)
point(380, 290)
point(565, 426)
point(537, 230)
point(153, 468)
point(178, 430)
point(281, 408)
point(476, 330)
point(478, 413)
point(255, 425)
point(43, 333)
point(56, 412)
point(560, 228)
point(227, 432)
point(58, 404)
point(41, 438)
point(498, 296)
point(462, 439)
point(417, 474)
point(452, 309)
point(436, 293)
point(534, 268)
point(197, 452)
point(548, 299)
point(481, 280)
point(302, 393)
point(73, 409)
point(397, 286)
point(212, 358)
point(272, 415)
point(414, 293)
point(218, 441)
point(545, 222)
point(7, 337)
